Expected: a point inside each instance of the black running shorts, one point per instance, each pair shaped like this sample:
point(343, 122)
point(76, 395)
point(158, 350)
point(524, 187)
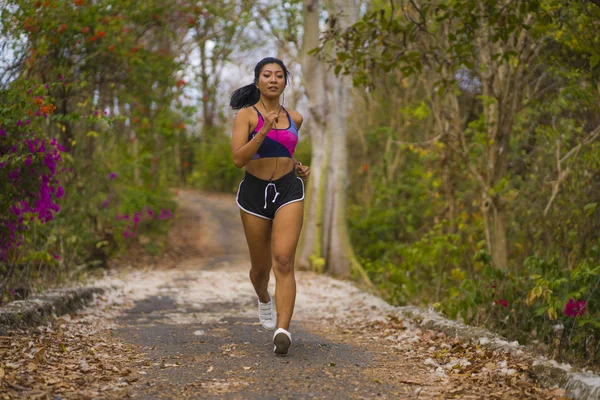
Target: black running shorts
point(264, 198)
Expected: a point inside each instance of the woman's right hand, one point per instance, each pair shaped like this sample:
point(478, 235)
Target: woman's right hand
point(271, 120)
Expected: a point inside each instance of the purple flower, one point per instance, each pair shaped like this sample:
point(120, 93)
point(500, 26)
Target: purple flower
point(105, 203)
point(60, 192)
point(165, 214)
point(150, 212)
point(28, 160)
point(575, 308)
point(112, 176)
point(14, 175)
point(121, 217)
point(56, 257)
point(2, 132)
point(29, 91)
point(19, 123)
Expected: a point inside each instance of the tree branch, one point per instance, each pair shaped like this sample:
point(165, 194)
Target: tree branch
point(562, 175)
point(596, 2)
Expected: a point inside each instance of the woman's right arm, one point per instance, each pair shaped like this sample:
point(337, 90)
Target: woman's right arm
point(243, 149)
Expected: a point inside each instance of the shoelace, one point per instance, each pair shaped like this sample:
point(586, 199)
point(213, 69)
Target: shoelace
point(265, 310)
point(267, 193)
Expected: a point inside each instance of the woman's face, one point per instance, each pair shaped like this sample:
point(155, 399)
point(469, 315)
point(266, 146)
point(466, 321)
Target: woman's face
point(271, 80)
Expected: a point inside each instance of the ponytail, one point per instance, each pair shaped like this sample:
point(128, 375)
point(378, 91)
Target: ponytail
point(245, 96)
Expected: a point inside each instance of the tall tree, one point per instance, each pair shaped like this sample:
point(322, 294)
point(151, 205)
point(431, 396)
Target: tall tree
point(325, 240)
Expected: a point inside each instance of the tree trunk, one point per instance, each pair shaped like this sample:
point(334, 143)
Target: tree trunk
point(325, 244)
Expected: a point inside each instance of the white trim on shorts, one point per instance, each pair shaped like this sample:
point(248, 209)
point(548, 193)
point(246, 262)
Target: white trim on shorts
point(293, 201)
point(249, 212)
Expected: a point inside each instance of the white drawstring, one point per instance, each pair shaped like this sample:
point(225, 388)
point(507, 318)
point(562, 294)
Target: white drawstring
point(267, 192)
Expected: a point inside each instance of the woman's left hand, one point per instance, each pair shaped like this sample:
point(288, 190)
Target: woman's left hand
point(302, 171)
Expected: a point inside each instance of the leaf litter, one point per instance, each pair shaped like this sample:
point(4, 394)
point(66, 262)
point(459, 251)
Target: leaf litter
point(71, 357)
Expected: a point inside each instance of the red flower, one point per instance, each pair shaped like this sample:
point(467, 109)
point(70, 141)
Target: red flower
point(502, 302)
point(111, 47)
point(85, 30)
point(101, 34)
point(79, 2)
point(575, 308)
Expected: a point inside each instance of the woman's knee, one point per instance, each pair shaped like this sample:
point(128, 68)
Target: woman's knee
point(283, 263)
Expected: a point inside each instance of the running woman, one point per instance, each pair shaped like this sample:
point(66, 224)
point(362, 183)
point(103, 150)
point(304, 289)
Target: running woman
point(271, 195)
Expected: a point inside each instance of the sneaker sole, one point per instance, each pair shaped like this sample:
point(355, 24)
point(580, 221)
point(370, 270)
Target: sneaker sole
point(282, 344)
point(269, 328)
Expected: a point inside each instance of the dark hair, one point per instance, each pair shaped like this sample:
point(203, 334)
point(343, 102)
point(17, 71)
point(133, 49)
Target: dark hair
point(249, 95)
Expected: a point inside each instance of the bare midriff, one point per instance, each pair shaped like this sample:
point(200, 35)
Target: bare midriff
point(270, 168)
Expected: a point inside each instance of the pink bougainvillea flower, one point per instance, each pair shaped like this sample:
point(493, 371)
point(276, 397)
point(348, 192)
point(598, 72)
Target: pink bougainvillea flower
point(502, 302)
point(121, 217)
point(575, 308)
point(165, 214)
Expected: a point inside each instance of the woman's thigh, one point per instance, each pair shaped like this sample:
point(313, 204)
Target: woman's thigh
point(258, 235)
point(287, 226)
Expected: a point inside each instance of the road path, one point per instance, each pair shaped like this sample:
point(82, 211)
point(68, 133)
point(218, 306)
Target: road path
point(190, 330)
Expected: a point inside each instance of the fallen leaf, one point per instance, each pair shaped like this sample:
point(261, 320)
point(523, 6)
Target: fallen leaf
point(490, 366)
point(427, 335)
point(40, 356)
point(558, 392)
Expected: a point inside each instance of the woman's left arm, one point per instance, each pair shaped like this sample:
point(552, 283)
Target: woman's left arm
point(303, 171)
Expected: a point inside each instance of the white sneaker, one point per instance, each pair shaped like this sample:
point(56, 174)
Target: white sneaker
point(266, 314)
point(282, 340)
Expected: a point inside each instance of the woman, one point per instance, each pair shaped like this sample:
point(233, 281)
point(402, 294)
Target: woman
point(271, 196)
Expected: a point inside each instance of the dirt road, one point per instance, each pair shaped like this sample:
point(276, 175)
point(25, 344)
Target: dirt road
point(190, 330)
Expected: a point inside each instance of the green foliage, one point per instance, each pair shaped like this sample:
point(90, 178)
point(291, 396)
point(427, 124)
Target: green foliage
point(416, 212)
point(102, 80)
point(214, 169)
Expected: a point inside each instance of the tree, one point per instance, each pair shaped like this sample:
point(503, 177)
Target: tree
point(490, 41)
point(325, 241)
